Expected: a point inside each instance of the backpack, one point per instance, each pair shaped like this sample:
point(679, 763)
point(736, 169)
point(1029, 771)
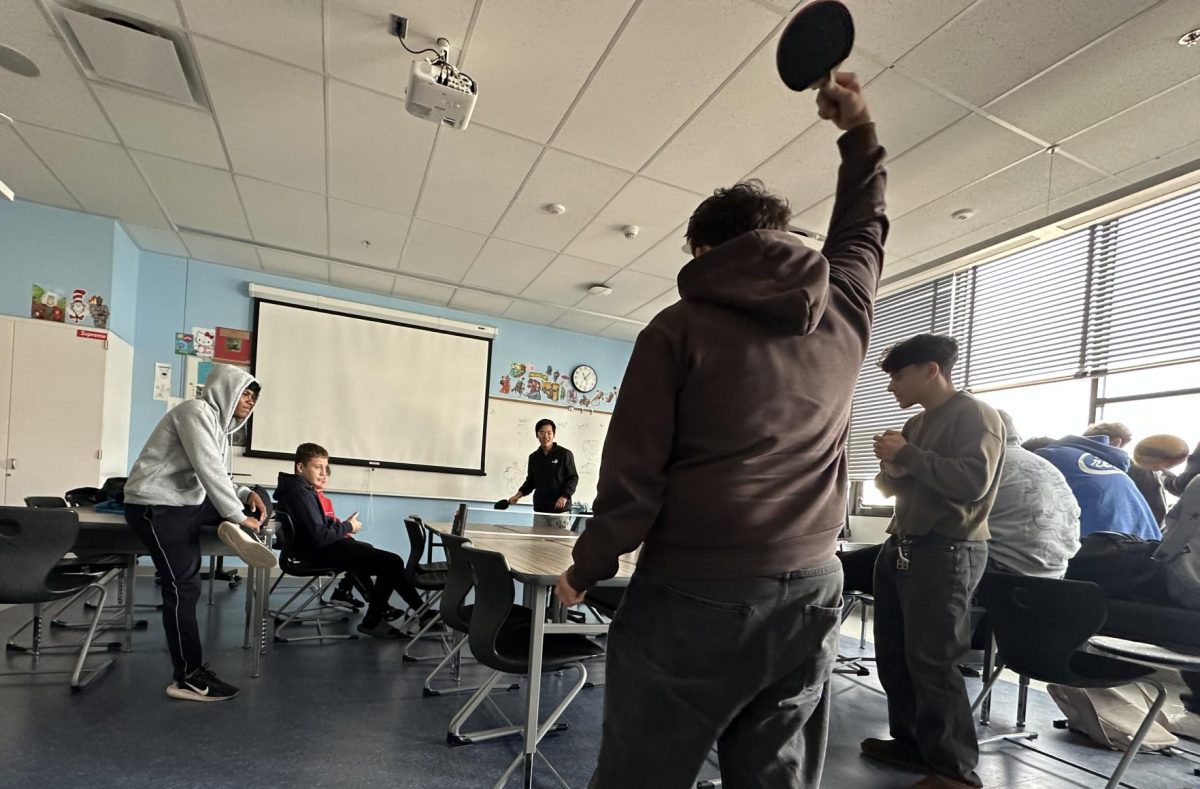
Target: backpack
point(1111, 716)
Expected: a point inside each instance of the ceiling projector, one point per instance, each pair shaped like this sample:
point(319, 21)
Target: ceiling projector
point(439, 92)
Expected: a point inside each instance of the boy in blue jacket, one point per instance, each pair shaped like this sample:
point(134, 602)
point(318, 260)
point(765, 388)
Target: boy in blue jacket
point(1108, 499)
point(322, 539)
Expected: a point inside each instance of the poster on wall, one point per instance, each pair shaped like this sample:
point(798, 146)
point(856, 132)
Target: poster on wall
point(204, 341)
point(232, 346)
point(529, 381)
point(184, 345)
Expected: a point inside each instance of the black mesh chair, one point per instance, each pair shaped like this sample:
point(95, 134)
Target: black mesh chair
point(858, 594)
point(430, 579)
point(32, 541)
point(46, 502)
point(500, 643)
point(1041, 626)
point(317, 579)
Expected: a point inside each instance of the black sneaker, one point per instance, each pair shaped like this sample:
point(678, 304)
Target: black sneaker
point(345, 598)
point(201, 685)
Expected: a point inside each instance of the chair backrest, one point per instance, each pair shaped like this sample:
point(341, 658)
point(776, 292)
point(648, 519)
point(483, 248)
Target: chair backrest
point(266, 499)
point(459, 525)
point(84, 497)
point(31, 543)
point(46, 502)
point(1040, 623)
point(416, 544)
point(285, 533)
point(459, 582)
point(494, 594)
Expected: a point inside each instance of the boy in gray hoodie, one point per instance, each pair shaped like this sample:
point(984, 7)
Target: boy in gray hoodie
point(180, 483)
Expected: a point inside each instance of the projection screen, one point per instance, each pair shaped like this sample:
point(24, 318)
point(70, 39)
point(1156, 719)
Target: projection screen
point(372, 391)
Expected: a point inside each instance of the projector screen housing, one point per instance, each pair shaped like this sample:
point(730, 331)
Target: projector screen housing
point(373, 390)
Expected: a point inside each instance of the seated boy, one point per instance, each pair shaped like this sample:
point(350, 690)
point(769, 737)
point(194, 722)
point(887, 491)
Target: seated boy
point(321, 539)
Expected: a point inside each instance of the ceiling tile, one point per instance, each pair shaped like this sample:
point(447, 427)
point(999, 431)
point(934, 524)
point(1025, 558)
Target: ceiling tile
point(218, 250)
point(970, 149)
point(473, 177)
point(272, 115)
point(816, 218)
point(377, 152)
point(565, 281)
point(728, 138)
point(994, 199)
point(285, 29)
point(805, 172)
point(656, 77)
point(906, 113)
point(1156, 128)
point(100, 175)
point(507, 267)
point(361, 279)
point(651, 308)
point(27, 176)
point(440, 251)
point(665, 258)
point(581, 185)
point(1185, 157)
point(1139, 60)
point(997, 44)
point(631, 289)
point(284, 216)
point(655, 208)
point(363, 51)
point(59, 98)
point(163, 127)
point(513, 42)
point(350, 225)
point(195, 196)
point(164, 11)
point(620, 330)
point(288, 265)
point(482, 303)
point(427, 292)
point(155, 239)
point(533, 313)
point(890, 28)
point(580, 322)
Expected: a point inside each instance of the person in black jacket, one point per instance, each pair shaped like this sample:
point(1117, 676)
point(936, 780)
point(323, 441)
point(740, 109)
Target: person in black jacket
point(329, 542)
point(551, 478)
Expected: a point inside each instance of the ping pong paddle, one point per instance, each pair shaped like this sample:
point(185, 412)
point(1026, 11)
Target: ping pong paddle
point(502, 504)
point(814, 42)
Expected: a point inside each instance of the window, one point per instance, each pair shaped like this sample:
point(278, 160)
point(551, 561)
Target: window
point(1055, 409)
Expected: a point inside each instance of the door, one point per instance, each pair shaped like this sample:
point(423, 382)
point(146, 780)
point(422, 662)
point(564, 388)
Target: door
point(56, 409)
point(6, 352)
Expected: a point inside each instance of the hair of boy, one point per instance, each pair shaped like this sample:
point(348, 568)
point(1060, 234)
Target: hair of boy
point(1114, 430)
point(542, 423)
point(728, 213)
point(306, 452)
point(921, 349)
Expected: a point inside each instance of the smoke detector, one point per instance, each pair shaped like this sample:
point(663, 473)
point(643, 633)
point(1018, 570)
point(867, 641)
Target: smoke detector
point(963, 214)
point(1190, 38)
point(599, 290)
point(630, 231)
point(558, 209)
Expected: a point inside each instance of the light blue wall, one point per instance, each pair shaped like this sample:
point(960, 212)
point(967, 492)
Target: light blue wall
point(59, 250)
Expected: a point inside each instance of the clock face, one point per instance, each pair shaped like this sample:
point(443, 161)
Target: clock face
point(584, 378)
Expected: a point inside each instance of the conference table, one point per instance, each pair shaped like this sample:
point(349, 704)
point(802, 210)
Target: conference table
point(537, 556)
point(108, 533)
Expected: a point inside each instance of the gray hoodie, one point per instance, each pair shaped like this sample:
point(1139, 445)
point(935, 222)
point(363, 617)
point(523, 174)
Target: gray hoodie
point(186, 457)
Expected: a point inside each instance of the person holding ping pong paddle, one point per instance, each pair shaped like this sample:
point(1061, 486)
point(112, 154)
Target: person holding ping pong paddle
point(724, 460)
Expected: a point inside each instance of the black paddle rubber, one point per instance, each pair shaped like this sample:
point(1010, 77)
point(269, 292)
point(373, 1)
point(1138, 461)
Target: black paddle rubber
point(815, 41)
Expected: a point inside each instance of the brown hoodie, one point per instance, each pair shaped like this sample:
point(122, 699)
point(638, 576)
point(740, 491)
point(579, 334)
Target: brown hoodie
point(726, 451)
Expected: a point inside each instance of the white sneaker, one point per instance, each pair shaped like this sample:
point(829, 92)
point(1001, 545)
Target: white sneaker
point(1184, 724)
point(246, 545)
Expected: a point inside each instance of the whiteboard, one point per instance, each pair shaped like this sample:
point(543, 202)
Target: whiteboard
point(510, 440)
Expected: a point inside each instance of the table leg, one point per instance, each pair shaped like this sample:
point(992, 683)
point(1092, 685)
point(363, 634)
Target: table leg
point(128, 578)
point(212, 577)
point(249, 604)
point(534, 687)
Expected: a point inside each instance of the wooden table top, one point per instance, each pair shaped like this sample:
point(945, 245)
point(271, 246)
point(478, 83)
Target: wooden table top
point(497, 530)
point(535, 554)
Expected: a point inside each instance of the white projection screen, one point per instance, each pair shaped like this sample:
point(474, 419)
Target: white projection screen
point(374, 392)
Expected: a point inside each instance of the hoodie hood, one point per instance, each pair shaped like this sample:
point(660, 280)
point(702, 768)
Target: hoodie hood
point(1098, 446)
point(768, 275)
point(291, 484)
point(222, 389)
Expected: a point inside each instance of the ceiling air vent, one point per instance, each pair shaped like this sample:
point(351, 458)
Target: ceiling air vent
point(119, 49)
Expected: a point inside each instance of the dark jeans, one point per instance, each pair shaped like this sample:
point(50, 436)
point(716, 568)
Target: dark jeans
point(922, 632)
point(172, 538)
point(743, 663)
point(365, 560)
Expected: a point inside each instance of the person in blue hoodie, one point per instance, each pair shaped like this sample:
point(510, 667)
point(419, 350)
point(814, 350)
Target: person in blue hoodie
point(1108, 499)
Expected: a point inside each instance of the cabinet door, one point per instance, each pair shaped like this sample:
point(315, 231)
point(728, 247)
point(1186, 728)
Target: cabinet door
point(6, 351)
point(56, 411)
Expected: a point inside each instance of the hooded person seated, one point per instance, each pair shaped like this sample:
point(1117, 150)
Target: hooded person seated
point(1108, 499)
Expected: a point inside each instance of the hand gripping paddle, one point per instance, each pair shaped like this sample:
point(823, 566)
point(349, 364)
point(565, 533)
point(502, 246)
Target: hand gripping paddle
point(502, 504)
point(814, 42)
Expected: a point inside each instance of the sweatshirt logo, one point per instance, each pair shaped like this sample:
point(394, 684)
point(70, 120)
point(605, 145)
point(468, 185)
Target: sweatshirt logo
point(1090, 464)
